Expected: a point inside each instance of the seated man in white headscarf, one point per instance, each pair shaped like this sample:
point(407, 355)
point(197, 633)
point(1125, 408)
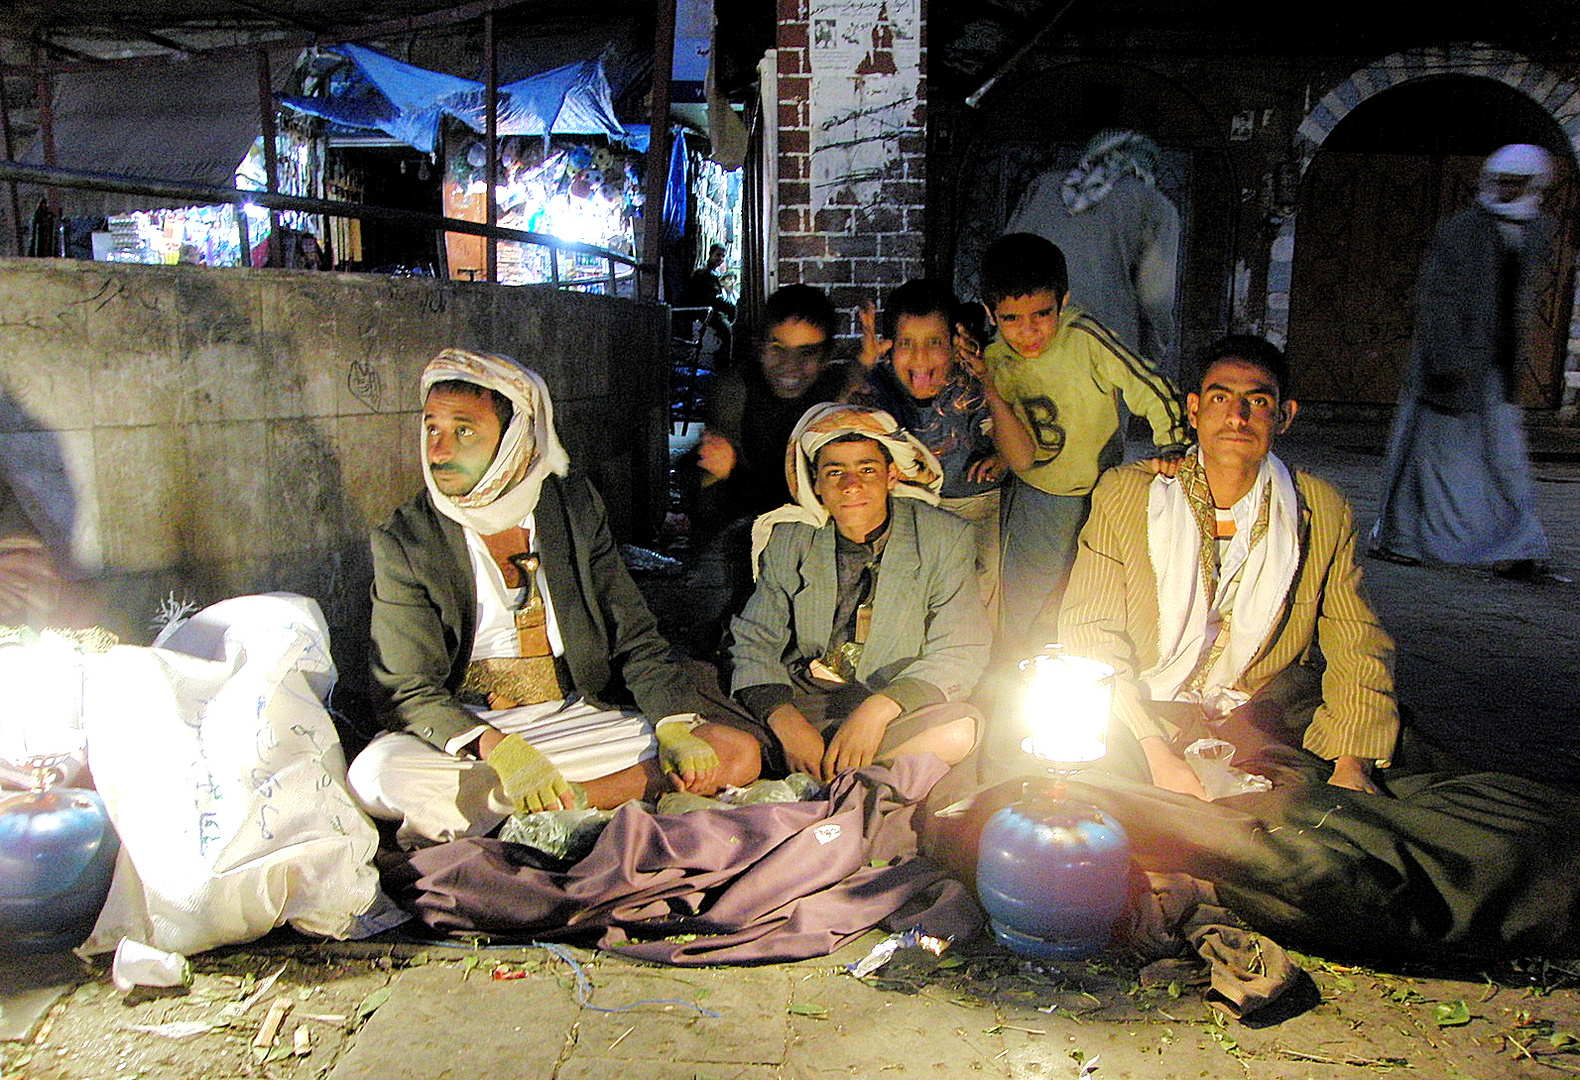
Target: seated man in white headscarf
point(507, 634)
point(866, 630)
point(1214, 593)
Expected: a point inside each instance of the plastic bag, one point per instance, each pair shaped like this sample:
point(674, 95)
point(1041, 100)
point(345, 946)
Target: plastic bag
point(565, 834)
point(1209, 759)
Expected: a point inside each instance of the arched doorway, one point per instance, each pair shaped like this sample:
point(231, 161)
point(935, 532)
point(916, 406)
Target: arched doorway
point(1043, 119)
point(1372, 195)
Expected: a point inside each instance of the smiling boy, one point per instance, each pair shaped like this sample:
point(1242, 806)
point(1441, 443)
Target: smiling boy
point(1054, 379)
point(919, 375)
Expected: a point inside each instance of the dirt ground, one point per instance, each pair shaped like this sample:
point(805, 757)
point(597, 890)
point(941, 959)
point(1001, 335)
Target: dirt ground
point(975, 1010)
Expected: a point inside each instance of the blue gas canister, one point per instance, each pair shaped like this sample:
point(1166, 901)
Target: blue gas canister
point(57, 854)
point(1053, 876)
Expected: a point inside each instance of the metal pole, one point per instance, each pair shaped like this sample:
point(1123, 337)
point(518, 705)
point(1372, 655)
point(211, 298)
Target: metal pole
point(184, 194)
point(46, 130)
point(16, 203)
point(656, 180)
point(491, 138)
point(271, 153)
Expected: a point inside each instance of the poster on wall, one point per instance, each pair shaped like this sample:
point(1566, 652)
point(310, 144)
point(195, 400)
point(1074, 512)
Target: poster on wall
point(866, 62)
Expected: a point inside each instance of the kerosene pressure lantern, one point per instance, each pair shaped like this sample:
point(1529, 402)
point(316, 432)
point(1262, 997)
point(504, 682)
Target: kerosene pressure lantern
point(1052, 873)
point(57, 846)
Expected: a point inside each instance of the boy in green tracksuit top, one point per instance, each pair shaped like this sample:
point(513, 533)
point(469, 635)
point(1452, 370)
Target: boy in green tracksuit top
point(1054, 378)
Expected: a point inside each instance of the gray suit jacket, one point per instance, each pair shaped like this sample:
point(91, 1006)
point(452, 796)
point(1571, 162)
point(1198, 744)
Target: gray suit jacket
point(927, 616)
point(425, 605)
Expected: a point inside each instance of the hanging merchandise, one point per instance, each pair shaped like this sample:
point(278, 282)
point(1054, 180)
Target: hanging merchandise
point(567, 188)
point(210, 235)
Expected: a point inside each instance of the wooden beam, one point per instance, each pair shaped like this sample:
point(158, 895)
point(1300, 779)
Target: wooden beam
point(328, 35)
point(152, 38)
point(5, 145)
point(278, 16)
point(655, 182)
point(1002, 66)
point(46, 130)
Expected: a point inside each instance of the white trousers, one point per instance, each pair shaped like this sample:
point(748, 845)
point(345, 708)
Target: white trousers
point(439, 797)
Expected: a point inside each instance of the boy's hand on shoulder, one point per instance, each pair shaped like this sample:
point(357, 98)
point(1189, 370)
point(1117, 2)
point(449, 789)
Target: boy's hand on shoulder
point(1167, 463)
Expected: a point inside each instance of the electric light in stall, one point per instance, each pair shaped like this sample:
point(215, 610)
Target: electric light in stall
point(576, 219)
point(1066, 708)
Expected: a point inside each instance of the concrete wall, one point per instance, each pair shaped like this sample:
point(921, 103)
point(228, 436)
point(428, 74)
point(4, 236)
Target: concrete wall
point(210, 432)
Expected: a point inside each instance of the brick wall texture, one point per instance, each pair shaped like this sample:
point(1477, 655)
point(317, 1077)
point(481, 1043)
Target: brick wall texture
point(854, 252)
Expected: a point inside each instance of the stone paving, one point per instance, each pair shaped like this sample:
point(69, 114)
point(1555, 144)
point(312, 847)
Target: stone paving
point(1486, 665)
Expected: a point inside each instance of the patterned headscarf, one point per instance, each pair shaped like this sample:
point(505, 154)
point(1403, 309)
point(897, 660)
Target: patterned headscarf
point(921, 475)
point(529, 448)
point(1107, 157)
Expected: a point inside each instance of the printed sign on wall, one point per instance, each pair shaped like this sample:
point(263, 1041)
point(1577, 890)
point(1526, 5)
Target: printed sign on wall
point(866, 63)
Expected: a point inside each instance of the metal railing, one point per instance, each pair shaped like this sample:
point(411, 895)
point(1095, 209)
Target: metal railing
point(206, 195)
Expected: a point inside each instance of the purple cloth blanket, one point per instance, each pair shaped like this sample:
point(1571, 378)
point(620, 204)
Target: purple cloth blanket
point(755, 884)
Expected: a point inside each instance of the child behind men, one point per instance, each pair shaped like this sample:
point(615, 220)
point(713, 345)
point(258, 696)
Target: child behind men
point(1055, 375)
point(926, 387)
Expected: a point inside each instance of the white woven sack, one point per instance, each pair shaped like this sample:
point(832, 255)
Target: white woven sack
point(226, 782)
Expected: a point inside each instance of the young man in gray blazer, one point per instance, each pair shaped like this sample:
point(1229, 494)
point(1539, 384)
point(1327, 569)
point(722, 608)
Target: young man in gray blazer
point(866, 631)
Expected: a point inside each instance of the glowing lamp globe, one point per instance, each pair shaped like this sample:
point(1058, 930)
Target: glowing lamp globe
point(1053, 873)
point(1066, 707)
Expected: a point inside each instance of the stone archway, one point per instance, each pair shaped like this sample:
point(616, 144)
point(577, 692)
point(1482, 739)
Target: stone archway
point(1556, 96)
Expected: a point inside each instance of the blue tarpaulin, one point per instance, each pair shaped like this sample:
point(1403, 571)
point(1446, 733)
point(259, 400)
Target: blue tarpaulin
point(406, 102)
point(675, 195)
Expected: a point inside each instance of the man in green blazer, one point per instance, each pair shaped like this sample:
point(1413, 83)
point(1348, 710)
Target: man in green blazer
point(1212, 592)
point(866, 631)
point(518, 666)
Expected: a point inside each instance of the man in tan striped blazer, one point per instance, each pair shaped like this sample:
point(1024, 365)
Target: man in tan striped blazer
point(1218, 593)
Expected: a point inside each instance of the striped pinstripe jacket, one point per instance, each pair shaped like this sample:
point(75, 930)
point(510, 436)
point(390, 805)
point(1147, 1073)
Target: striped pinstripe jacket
point(1110, 613)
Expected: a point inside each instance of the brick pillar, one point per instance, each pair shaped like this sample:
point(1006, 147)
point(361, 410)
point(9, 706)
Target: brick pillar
point(864, 242)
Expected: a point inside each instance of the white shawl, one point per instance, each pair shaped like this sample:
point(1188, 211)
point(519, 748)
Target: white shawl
point(1180, 542)
point(921, 475)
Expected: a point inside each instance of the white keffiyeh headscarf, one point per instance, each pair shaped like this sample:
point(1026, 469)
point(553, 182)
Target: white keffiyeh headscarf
point(1516, 159)
point(529, 449)
point(921, 475)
